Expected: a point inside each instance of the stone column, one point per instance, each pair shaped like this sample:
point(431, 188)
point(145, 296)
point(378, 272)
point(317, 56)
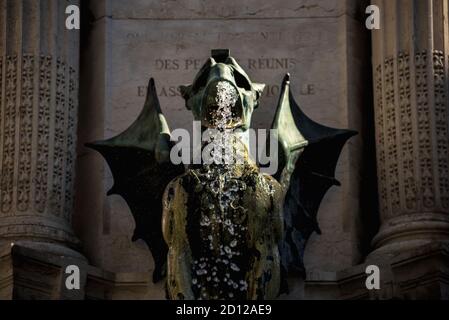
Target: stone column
point(410, 69)
point(38, 115)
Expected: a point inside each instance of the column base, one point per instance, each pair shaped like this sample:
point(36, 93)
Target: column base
point(36, 271)
point(415, 274)
point(407, 232)
point(39, 229)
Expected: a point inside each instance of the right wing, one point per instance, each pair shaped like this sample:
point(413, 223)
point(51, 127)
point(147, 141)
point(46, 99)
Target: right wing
point(308, 156)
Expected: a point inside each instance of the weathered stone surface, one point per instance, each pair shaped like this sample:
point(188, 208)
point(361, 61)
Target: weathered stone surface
point(234, 9)
point(103, 285)
point(30, 272)
point(318, 42)
point(36, 271)
point(410, 63)
point(6, 272)
point(172, 55)
point(321, 42)
point(38, 121)
point(412, 136)
point(420, 273)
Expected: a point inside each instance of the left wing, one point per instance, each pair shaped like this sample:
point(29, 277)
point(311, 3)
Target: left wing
point(141, 168)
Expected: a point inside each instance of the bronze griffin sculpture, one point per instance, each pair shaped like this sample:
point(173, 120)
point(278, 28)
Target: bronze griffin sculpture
point(217, 230)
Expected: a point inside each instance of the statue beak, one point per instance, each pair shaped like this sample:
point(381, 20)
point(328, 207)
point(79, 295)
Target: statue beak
point(214, 99)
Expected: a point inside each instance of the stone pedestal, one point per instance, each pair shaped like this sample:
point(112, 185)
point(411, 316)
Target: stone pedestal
point(37, 271)
point(32, 273)
point(418, 274)
point(38, 121)
point(410, 69)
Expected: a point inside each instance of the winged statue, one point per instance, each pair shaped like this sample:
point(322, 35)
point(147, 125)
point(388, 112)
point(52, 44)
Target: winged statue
point(219, 230)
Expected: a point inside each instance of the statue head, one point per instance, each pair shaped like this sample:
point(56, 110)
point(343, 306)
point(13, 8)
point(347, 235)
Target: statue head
point(221, 81)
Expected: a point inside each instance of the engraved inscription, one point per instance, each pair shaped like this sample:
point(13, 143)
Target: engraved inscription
point(250, 64)
point(269, 91)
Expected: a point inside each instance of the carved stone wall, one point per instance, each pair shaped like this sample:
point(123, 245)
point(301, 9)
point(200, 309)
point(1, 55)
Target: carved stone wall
point(320, 42)
point(410, 62)
point(38, 120)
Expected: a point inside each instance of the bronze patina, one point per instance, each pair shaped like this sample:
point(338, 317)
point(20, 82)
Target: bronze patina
point(224, 230)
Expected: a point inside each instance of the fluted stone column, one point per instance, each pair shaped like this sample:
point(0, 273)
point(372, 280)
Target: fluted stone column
point(410, 69)
point(38, 121)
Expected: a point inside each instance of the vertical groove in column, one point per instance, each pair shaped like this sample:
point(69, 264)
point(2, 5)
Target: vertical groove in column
point(71, 141)
point(19, 44)
point(405, 7)
point(445, 163)
point(53, 17)
point(2, 27)
point(423, 57)
point(404, 110)
point(59, 137)
point(396, 166)
point(25, 132)
point(13, 9)
point(36, 102)
point(72, 41)
point(10, 126)
point(440, 114)
point(421, 24)
point(378, 62)
point(30, 29)
point(59, 120)
point(416, 197)
point(46, 27)
point(432, 155)
point(383, 124)
point(383, 194)
point(389, 112)
point(2, 77)
point(44, 98)
point(30, 12)
point(438, 24)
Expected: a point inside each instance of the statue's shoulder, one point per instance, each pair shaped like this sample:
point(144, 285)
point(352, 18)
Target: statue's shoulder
point(187, 183)
point(265, 182)
point(274, 185)
point(176, 186)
